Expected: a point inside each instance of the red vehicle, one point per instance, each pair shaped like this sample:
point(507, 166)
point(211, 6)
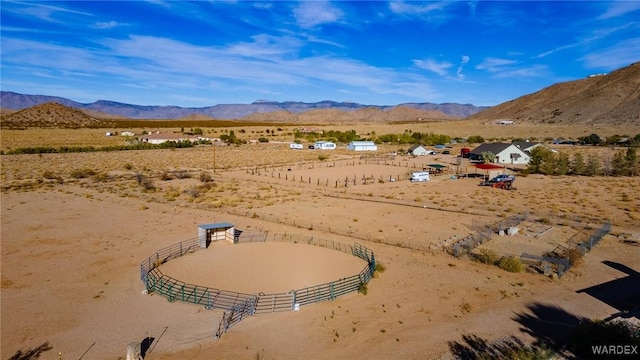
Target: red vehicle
point(464, 152)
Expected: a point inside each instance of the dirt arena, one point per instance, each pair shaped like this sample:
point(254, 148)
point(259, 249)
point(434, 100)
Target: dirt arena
point(71, 254)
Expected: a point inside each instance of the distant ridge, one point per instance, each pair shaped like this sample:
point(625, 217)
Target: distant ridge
point(15, 101)
point(50, 115)
point(612, 98)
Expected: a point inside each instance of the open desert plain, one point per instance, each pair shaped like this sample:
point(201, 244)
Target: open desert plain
point(77, 226)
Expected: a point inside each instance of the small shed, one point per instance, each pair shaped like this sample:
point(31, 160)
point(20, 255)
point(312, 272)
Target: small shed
point(417, 150)
point(215, 232)
point(362, 146)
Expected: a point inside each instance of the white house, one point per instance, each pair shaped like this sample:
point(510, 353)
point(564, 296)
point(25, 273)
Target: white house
point(417, 150)
point(159, 138)
point(295, 146)
point(324, 145)
point(362, 146)
point(527, 146)
point(504, 153)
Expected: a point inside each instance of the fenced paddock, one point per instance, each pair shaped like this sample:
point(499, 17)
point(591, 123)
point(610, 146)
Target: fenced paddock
point(237, 305)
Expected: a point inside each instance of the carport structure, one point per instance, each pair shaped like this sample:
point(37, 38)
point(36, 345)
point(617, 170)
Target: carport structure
point(490, 170)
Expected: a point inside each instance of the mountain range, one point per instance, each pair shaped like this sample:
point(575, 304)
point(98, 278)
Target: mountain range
point(612, 99)
point(15, 101)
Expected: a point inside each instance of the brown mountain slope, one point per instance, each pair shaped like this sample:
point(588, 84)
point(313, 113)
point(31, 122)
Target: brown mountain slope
point(603, 99)
point(335, 116)
point(49, 115)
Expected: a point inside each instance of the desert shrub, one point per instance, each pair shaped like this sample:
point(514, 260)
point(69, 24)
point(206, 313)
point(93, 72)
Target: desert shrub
point(144, 182)
point(380, 267)
point(128, 166)
point(322, 157)
point(48, 175)
point(475, 347)
point(165, 175)
point(595, 332)
point(33, 353)
point(575, 256)
point(487, 256)
point(193, 191)
point(511, 264)
point(181, 174)
point(81, 173)
point(205, 177)
point(362, 289)
point(101, 177)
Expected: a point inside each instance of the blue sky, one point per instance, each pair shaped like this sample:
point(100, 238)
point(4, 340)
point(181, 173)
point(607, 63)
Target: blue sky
point(203, 53)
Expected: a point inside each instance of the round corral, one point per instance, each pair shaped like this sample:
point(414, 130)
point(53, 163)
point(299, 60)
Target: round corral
point(264, 267)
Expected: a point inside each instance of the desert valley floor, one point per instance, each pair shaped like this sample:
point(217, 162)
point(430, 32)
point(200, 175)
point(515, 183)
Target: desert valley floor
point(71, 253)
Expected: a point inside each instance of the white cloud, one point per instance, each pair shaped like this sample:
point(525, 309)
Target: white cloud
point(619, 8)
point(439, 68)
point(43, 12)
point(621, 54)
point(105, 25)
point(463, 61)
point(417, 8)
point(312, 13)
point(494, 64)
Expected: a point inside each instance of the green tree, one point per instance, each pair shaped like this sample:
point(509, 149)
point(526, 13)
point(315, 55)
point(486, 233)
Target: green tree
point(542, 161)
point(488, 157)
point(475, 139)
point(593, 166)
point(577, 164)
point(561, 164)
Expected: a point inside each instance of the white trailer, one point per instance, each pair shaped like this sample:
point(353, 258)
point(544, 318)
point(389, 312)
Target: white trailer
point(419, 176)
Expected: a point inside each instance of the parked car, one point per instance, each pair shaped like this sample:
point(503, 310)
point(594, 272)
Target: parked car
point(431, 152)
point(446, 152)
point(311, 147)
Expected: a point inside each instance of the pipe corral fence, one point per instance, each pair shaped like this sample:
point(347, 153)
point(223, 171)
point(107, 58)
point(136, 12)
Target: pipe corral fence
point(557, 262)
point(237, 305)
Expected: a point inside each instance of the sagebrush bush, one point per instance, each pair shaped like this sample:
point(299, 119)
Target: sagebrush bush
point(487, 256)
point(511, 264)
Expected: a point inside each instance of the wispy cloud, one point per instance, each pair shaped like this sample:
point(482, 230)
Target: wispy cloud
point(105, 25)
point(621, 54)
point(465, 59)
point(416, 8)
point(309, 14)
point(495, 65)
point(619, 8)
point(44, 12)
point(438, 67)
point(595, 35)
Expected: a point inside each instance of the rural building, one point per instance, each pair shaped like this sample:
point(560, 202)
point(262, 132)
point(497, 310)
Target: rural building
point(362, 146)
point(159, 138)
point(215, 232)
point(417, 150)
point(324, 145)
point(527, 146)
point(504, 153)
point(128, 133)
point(295, 146)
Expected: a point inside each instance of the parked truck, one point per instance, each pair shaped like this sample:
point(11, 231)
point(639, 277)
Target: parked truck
point(504, 177)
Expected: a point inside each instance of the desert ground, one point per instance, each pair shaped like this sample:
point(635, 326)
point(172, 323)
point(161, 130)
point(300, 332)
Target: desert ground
point(75, 228)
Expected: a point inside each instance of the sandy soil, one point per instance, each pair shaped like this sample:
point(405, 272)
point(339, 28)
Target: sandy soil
point(70, 258)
